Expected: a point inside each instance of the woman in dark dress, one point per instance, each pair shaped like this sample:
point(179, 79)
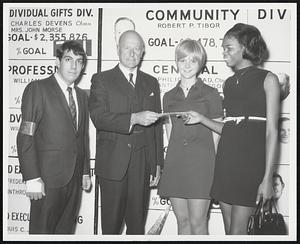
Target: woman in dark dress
point(189, 164)
point(248, 144)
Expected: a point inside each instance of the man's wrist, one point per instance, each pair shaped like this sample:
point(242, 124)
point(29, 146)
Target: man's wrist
point(133, 119)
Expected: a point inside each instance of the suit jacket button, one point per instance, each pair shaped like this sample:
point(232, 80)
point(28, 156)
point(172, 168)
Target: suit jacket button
point(129, 145)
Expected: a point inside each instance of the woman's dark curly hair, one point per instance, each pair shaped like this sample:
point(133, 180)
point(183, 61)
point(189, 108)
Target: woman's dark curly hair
point(249, 36)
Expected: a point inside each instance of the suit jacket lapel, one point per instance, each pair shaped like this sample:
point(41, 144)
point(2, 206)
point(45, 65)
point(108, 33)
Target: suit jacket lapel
point(123, 82)
point(141, 86)
point(56, 90)
point(80, 106)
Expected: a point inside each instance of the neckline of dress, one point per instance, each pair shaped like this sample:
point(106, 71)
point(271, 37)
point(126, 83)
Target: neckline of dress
point(244, 70)
point(241, 72)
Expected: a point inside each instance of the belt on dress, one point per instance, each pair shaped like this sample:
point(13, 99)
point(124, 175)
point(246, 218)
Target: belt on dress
point(238, 119)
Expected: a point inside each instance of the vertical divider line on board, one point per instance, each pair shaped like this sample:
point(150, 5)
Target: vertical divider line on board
point(99, 62)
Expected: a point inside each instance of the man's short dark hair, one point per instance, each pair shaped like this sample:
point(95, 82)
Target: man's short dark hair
point(75, 46)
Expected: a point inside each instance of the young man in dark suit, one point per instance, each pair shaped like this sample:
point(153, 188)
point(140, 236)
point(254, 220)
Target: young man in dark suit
point(124, 106)
point(53, 144)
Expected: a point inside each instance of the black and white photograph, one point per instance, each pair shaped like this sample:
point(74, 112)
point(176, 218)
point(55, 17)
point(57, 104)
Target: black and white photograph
point(149, 121)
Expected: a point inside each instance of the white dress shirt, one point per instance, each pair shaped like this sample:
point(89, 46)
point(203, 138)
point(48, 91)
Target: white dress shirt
point(126, 72)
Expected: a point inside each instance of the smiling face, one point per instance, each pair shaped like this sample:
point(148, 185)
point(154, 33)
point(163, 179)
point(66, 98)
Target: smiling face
point(130, 49)
point(122, 26)
point(284, 81)
point(232, 52)
point(188, 67)
point(277, 187)
point(284, 133)
point(69, 66)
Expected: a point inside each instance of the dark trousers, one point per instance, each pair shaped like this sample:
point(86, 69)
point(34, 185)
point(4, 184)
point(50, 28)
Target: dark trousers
point(126, 199)
point(56, 212)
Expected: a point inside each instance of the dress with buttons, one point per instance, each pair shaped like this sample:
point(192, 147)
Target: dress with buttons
point(189, 163)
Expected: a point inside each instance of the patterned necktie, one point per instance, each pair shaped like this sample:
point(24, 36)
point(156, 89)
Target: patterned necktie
point(130, 79)
point(72, 107)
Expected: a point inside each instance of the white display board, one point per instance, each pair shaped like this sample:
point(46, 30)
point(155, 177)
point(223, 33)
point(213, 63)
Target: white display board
point(32, 32)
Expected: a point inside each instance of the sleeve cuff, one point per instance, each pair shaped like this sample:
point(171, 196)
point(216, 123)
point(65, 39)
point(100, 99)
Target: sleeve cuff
point(34, 185)
point(33, 180)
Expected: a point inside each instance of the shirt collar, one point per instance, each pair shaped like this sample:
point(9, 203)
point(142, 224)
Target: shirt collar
point(61, 82)
point(126, 71)
point(199, 83)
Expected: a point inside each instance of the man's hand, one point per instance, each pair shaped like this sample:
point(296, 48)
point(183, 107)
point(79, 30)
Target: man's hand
point(154, 180)
point(86, 182)
point(35, 189)
point(144, 118)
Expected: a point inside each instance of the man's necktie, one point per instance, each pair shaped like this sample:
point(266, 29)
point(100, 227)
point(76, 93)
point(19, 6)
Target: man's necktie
point(72, 107)
point(131, 80)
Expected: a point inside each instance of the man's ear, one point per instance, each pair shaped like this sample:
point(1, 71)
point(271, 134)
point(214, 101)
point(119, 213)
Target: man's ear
point(82, 69)
point(57, 62)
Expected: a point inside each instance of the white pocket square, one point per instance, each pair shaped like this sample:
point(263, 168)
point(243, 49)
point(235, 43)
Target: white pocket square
point(151, 94)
